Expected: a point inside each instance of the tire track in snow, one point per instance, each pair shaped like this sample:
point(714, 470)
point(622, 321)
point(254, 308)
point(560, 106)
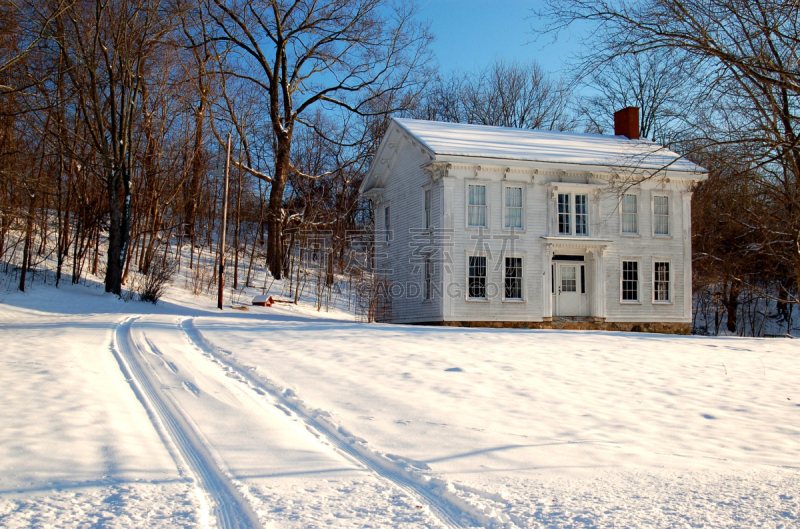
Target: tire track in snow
point(450, 510)
point(230, 509)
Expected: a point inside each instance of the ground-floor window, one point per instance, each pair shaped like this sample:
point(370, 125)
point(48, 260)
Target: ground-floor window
point(477, 277)
point(630, 281)
point(513, 278)
point(661, 281)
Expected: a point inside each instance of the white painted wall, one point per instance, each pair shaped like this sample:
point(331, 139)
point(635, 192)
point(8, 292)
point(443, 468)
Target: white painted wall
point(403, 190)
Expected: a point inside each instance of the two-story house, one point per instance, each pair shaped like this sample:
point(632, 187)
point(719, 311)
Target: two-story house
point(493, 226)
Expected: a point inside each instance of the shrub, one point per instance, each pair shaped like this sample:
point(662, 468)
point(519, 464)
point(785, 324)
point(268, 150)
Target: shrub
point(155, 282)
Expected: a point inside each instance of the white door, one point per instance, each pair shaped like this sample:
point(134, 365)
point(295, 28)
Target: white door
point(569, 290)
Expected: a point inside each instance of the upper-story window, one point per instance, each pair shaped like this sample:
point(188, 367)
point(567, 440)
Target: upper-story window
point(661, 215)
point(427, 209)
point(630, 214)
point(513, 209)
point(564, 224)
point(573, 214)
point(476, 214)
point(581, 215)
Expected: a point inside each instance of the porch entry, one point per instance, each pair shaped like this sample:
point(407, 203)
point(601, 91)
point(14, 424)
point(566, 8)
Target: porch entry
point(569, 288)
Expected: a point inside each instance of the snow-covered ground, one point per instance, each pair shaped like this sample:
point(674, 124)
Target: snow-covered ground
point(126, 414)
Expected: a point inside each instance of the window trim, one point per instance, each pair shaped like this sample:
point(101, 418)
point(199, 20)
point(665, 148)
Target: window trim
point(523, 291)
point(638, 232)
point(487, 205)
point(484, 299)
point(670, 281)
point(669, 214)
point(506, 187)
point(638, 261)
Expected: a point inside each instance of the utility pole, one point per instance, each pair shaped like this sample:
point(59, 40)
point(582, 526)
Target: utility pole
point(223, 227)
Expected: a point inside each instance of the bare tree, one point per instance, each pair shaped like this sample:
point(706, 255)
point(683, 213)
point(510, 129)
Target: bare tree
point(506, 94)
point(652, 81)
point(302, 55)
point(745, 57)
point(107, 46)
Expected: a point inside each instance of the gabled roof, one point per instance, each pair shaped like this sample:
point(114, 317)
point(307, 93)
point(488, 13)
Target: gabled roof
point(503, 143)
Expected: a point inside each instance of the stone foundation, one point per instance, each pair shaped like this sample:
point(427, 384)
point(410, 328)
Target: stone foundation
point(577, 324)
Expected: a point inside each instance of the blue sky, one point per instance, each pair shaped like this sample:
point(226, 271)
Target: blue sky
point(470, 34)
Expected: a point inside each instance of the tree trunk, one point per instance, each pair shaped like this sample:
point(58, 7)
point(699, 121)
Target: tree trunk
point(275, 214)
point(731, 301)
point(236, 233)
point(118, 230)
point(190, 211)
point(27, 250)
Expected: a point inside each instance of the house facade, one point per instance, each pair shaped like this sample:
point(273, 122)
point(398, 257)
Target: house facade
point(491, 226)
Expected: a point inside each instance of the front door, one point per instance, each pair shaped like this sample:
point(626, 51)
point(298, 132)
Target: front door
point(569, 289)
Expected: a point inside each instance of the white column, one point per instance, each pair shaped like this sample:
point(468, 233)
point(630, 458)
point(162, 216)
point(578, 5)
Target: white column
point(446, 194)
point(600, 283)
point(547, 294)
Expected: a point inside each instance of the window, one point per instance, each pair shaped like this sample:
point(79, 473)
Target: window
point(513, 214)
point(513, 278)
point(426, 283)
point(386, 225)
point(477, 277)
point(581, 215)
point(569, 216)
point(661, 281)
point(563, 214)
point(427, 209)
point(477, 206)
point(661, 215)
point(630, 214)
point(630, 281)
point(569, 279)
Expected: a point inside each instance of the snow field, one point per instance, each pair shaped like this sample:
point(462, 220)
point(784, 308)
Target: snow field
point(75, 444)
point(311, 420)
point(117, 506)
point(581, 412)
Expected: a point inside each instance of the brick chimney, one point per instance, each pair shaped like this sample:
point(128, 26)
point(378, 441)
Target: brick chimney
point(626, 122)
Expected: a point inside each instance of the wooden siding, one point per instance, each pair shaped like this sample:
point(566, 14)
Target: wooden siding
point(403, 190)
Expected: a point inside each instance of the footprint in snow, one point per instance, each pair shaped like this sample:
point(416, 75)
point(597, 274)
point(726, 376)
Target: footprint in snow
point(191, 388)
point(454, 369)
point(710, 417)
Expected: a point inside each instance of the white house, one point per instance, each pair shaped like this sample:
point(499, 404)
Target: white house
point(493, 226)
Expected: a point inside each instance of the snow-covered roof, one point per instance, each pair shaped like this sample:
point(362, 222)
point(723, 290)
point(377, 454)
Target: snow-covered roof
point(482, 141)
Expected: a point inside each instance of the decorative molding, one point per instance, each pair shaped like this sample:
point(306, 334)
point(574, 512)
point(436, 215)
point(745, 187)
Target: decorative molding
point(375, 194)
point(437, 170)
